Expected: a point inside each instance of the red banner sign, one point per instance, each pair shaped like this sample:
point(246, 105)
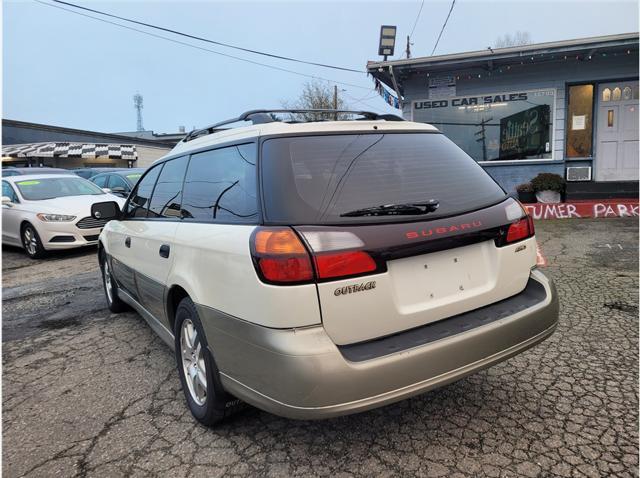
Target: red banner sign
point(596, 209)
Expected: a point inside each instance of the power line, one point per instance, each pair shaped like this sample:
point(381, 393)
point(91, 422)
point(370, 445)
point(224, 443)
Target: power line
point(444, 25)
point(203, 48)
point(194, 37)
point(360, 101)
point(417, 18)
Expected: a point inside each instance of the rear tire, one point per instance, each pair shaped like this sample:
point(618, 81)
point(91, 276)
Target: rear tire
point(31, 242)
point(206, 398)
point(110, 289)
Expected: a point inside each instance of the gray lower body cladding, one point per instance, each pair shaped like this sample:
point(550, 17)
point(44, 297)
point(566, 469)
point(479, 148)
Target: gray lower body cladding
point(301, 373)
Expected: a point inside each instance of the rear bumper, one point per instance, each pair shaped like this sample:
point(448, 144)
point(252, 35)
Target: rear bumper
point(301, 373)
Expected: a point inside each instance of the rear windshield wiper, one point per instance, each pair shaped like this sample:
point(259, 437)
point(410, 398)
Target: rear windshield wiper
point(407, 209)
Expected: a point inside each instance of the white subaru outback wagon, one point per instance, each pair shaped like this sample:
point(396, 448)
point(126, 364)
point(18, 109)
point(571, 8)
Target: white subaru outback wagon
point(316, 269)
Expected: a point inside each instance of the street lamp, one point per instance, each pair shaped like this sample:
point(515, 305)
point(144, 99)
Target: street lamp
point(387, 41)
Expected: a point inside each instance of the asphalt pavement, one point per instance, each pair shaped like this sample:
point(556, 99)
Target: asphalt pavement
point(89, 393)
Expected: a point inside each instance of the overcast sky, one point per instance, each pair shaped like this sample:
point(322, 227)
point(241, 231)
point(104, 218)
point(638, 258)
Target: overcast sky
point(63, 69)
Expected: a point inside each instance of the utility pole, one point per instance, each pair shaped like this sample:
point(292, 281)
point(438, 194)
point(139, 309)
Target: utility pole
point(408, 48)
point(335, 102)
point(483, 136)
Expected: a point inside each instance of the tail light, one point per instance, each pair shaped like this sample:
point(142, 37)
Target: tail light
point(522, 229)
point(343, 264)
point(281, 257)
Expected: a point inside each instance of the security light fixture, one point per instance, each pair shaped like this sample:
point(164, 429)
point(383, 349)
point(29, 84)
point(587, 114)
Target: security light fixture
point(387, 41)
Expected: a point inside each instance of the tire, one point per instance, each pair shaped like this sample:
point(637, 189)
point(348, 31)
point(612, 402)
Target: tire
point(110, 289)
point(208, 404)
point(31, 242)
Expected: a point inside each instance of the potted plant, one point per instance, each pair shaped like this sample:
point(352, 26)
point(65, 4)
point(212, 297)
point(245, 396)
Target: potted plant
point(526, 194)
point(548, 187)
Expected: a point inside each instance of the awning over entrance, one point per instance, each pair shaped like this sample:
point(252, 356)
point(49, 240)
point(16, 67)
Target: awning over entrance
point(71, 150)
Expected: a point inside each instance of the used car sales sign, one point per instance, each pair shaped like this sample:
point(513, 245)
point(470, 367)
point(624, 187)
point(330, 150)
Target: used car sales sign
point(471, 101)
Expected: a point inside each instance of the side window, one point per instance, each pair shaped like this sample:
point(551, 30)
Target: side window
point(220, 185)
point(101, 181)
point(138, 204)
point(116, 181)
point(168, 191)
point(8, 191)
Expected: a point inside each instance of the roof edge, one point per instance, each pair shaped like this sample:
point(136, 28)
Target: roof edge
point(507, 52)
point(63, 129)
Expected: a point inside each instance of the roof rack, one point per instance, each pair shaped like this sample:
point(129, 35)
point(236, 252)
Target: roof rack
point(264, 116)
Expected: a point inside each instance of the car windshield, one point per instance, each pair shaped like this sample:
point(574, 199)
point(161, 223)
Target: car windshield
point(330, 178)
point(49, 188)
point(133, 177)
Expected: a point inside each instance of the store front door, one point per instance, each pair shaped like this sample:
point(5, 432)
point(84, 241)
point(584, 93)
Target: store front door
point(617, 132)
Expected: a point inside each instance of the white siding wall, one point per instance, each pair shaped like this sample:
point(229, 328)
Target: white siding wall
point(148, 154)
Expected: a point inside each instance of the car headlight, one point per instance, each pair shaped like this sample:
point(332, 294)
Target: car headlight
point(55, 217)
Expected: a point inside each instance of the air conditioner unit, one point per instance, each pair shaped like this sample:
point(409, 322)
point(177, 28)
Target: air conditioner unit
point(579, 173)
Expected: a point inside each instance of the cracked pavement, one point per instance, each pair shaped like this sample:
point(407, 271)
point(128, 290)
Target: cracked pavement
point(89, 393)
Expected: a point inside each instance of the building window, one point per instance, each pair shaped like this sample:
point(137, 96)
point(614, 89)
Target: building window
point(580, 121)
point(495, 127)
point(626, 93)
point(616, 94)
point(606, 94)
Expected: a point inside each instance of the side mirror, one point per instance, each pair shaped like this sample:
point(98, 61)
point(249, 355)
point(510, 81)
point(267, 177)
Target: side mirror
point(6, 201)
point(106, 190)
point(105, 210)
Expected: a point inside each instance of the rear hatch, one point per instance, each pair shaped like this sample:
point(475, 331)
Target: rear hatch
point(433, 224)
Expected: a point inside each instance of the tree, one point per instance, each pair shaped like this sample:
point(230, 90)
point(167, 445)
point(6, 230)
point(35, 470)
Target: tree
point(517, 39)
point(316, 94)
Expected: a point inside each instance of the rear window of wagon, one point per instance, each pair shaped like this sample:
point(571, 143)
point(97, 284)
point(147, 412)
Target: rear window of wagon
point(315, 179)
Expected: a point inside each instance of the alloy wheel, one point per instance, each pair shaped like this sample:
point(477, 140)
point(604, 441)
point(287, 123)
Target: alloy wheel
point(30, 241)
point(107, 281)
point(193, 364)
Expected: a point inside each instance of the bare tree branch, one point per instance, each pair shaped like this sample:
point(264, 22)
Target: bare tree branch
point(517, 39)
point(316, 94)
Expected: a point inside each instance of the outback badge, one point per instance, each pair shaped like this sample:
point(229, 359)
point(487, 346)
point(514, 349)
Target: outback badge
point(350, 289)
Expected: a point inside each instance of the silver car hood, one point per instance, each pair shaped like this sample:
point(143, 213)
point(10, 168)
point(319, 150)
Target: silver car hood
point(79, 206)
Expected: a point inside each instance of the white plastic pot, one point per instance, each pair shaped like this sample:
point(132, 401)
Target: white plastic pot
point(548, 197)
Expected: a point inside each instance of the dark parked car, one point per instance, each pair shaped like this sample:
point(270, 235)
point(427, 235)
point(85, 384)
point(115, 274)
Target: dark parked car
point(121, 181)
point(6, 172)
point(88, 173)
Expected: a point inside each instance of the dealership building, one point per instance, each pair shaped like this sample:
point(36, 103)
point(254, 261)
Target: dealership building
point(567, 107)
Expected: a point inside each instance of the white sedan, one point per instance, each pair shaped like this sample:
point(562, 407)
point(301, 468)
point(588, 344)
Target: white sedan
point(42, 212)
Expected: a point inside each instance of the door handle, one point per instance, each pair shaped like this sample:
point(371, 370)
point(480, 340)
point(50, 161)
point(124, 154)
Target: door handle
point(164, 250)
point(127, 242)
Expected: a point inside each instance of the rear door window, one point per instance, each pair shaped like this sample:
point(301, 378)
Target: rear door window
point(317, 179)
point(220, 185)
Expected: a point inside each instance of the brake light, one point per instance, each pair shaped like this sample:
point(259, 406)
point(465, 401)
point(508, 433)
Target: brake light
point(342, 264)
point(280, 256)
point(521, 229)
